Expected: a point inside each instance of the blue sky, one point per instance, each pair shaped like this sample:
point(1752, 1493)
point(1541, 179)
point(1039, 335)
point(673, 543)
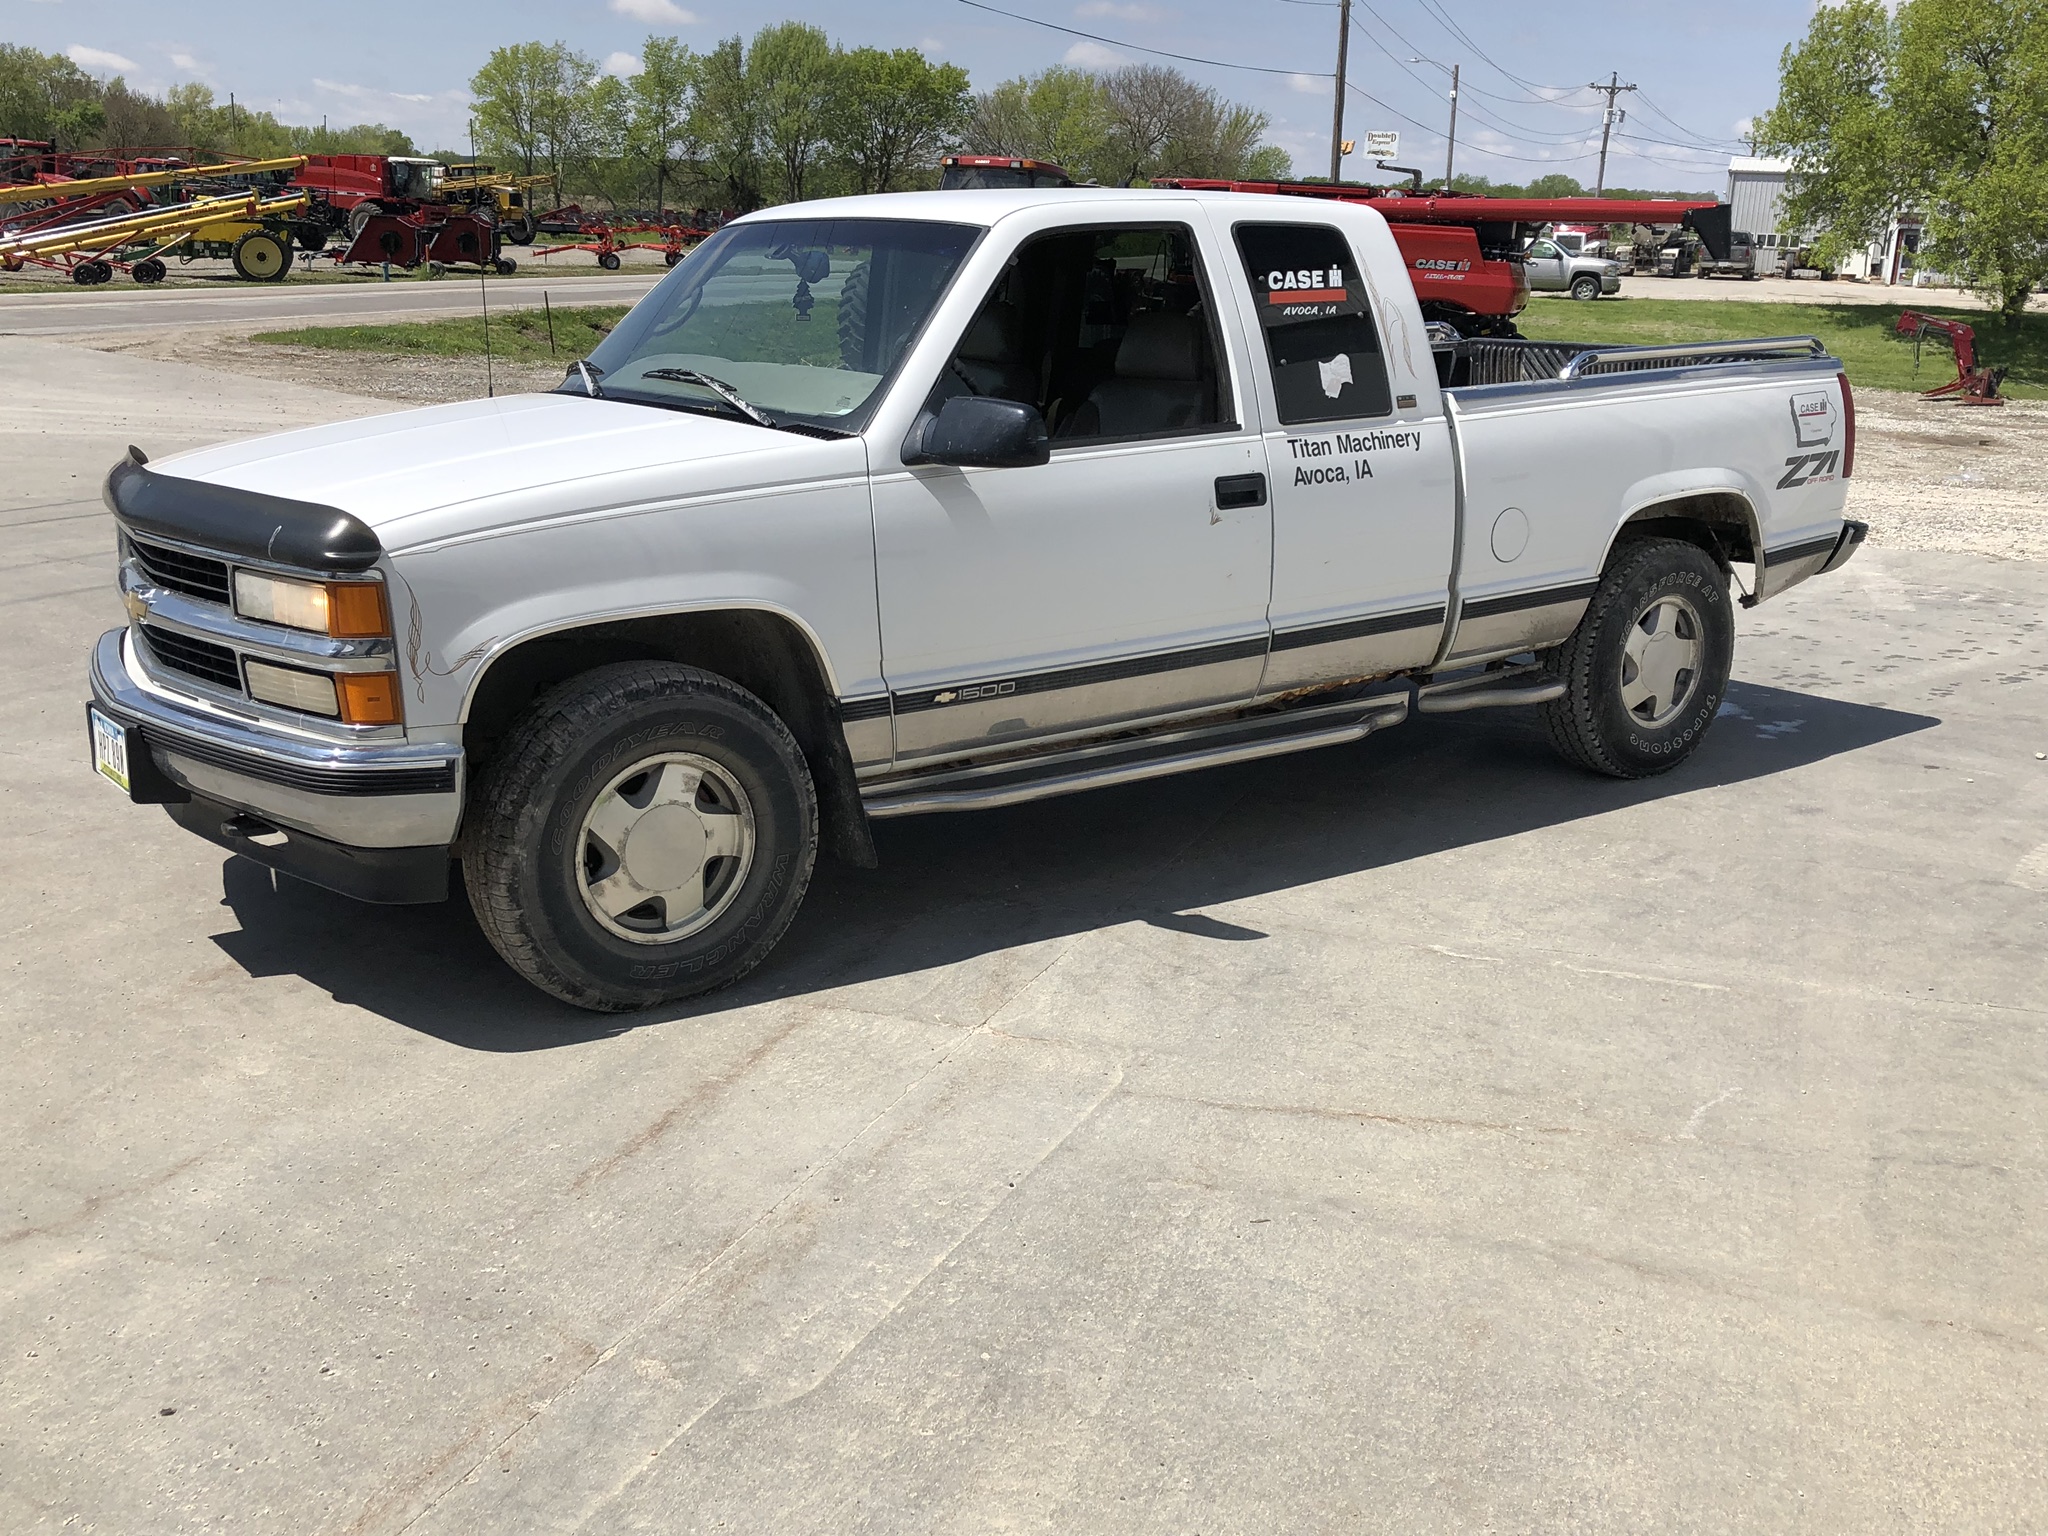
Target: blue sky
point(1709, 67)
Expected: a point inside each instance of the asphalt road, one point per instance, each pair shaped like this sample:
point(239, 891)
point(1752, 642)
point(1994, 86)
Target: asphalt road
point(115, 308)
point(1412, 1137)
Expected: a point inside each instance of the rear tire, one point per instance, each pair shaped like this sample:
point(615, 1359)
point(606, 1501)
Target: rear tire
point(1647, 667)
point(548, 851)
point(609, 260)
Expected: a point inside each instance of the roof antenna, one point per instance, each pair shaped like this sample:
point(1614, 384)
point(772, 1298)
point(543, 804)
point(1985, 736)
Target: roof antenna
point(485, 252)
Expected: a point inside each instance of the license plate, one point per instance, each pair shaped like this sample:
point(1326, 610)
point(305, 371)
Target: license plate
point(110, 748)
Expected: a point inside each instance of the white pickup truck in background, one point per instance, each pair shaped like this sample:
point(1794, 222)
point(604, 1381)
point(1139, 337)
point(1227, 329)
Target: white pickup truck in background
point(933, 502)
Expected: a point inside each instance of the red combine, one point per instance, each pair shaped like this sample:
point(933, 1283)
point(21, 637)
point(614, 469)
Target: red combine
point(1464, 250)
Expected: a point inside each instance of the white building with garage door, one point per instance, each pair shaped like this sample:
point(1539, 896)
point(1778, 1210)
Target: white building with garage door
point(1756, 198)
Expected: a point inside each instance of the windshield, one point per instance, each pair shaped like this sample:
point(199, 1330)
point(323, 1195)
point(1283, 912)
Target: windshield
point(804, 318)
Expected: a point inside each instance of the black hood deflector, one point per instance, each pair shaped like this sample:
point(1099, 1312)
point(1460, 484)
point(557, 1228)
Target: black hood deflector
point(275, 529)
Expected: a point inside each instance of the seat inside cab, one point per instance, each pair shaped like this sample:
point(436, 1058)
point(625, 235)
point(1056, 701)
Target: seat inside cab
point(1109, 332)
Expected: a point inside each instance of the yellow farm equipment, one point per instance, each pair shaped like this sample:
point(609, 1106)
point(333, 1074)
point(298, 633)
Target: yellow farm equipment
point(480, 186)
point(254, 232)
point(18, 193)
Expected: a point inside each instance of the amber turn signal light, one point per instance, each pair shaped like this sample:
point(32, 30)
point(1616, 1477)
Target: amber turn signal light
point(355, 610)
point(369, 698)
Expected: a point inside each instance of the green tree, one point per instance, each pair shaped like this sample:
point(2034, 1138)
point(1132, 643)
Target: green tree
point(662, 131)
point(530, 98)
point(894, 114)
point(79, 124)
point(1941, 109)
point(792, 69)
point(35, 88)
point(725, 119)
point(1060, 115)
point(1555, 184)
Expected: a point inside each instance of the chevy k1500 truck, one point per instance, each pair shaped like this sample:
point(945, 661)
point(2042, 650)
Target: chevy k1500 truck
point(924, 503)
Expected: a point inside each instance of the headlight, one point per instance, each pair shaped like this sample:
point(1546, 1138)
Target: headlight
point(355, 698)
point(345, 610)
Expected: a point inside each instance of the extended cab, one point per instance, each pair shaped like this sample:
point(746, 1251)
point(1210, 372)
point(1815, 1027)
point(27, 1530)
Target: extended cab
point(925, 503)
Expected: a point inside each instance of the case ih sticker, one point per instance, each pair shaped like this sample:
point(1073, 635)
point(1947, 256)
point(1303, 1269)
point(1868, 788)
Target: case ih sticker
point(1813, 426)
point(1308, 291)
point(1813, 419)
point(1441, 269)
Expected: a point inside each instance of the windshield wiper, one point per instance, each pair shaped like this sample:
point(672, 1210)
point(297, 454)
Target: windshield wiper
point(718, 387)
point(590, 378)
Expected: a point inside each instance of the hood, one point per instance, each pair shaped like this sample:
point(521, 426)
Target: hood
point(450, 470)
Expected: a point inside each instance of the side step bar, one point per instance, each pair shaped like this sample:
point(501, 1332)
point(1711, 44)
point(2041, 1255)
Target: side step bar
point(1489, 690)
point(1129, 762)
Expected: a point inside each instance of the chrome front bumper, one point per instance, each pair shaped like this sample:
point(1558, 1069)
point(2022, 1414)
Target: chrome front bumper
point(368, 820)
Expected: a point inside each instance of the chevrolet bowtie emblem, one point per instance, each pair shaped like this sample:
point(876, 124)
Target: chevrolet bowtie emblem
point(945, 698)
point(135, 605)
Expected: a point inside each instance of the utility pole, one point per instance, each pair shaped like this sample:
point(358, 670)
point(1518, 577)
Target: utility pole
point(1337, 118)
point(1451, 150)
point(1611, 89)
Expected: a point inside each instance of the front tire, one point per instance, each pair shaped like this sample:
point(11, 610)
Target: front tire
point(1585, 288)
point(1646, 669)
point(646, 833)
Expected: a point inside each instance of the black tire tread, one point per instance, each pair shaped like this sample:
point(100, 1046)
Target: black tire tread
point(506, 810)
point(1569, 721)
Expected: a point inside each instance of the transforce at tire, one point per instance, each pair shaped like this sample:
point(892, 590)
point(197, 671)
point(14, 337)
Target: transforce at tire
point(645, 833)
point(1646, 669)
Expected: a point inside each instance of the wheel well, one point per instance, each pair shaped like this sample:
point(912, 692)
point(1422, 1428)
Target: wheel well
point(1720, 522)
point(764, 653)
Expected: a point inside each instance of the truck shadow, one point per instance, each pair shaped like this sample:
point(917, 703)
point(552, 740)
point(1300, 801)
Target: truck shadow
point(956, 886)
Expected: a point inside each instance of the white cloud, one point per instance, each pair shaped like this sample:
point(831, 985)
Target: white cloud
point(1308, 85)
point(624, 65)
point(185, 61)
point(1093, 56)
point(98, 58)
point(370, 96)
point(1121, 10)
point(655, 12)
point(931, 45)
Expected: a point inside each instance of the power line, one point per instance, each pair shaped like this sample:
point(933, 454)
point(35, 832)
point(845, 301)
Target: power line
point(1185, 58)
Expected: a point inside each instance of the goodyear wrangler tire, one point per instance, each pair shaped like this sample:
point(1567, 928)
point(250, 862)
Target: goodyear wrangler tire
point(645, 833)
point(1646, 669)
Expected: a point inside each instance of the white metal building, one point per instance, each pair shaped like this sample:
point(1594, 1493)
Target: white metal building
point(1756, 198)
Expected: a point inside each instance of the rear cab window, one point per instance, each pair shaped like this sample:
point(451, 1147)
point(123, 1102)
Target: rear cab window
point(1316, 316)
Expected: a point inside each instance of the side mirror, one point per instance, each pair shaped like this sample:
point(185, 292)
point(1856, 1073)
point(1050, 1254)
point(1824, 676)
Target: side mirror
point(979, 432)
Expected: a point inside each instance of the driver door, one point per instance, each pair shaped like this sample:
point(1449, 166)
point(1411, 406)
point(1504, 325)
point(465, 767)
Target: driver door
point(1545, 265)
point(1126, 580)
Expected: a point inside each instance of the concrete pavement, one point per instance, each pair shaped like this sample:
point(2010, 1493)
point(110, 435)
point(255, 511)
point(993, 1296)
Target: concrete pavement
point(1413, 1137)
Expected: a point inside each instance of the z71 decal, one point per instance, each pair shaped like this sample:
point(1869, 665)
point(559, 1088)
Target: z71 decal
point(1809, 469)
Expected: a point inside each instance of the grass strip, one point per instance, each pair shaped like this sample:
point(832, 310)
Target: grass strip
point(517, 335)
point(1863, 336)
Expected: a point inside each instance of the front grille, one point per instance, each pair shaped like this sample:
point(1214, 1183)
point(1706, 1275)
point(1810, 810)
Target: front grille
point(193, 575)
point(202, 659)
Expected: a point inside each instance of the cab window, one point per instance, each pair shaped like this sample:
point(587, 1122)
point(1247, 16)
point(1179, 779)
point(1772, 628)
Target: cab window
point(1543, 250)
point(1109, 332)
point(1317, 318)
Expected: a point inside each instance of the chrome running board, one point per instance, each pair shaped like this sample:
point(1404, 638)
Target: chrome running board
point(1242, 740)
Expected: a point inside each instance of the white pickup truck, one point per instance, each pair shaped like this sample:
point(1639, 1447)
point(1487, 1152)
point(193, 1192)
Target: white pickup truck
point(933, 502)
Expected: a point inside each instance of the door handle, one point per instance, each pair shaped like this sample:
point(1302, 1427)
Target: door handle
point(1234, 491)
